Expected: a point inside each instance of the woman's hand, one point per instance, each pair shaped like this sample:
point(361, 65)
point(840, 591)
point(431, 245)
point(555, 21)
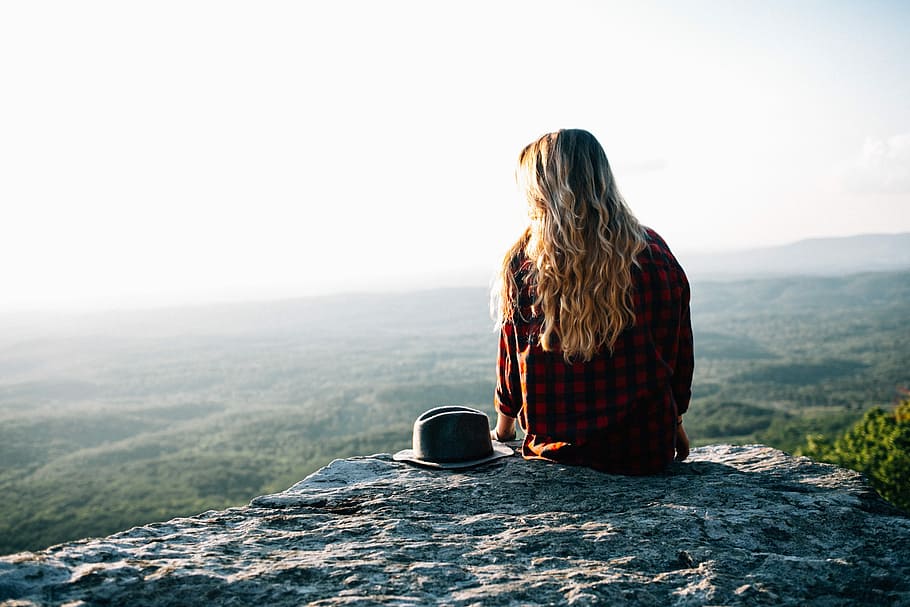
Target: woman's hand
point(505, 428)
point(682, 442)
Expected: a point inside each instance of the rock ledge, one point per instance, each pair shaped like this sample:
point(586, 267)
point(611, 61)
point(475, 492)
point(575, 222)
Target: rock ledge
point(732, 526)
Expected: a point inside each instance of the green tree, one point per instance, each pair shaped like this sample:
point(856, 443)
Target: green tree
point(878, 446)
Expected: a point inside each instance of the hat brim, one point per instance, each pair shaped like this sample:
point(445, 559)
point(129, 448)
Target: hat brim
point(408, 456)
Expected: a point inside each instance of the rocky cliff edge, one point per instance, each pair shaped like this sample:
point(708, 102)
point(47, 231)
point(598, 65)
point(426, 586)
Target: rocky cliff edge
point(744, 525)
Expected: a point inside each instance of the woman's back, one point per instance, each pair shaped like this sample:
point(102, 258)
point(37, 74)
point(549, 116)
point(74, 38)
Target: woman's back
point(595, 353)
point(617, 411)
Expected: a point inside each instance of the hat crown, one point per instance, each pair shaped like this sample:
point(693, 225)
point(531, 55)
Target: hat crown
point(452, 434)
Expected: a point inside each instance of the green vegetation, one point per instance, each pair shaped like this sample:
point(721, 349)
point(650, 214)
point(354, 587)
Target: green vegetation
point(123, 419)
point(877, 445)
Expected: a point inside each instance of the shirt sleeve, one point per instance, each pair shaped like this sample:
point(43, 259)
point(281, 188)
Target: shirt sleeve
point(507, 399)
point(685, 357)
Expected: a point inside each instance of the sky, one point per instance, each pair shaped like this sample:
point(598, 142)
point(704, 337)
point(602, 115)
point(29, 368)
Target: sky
point(156, 153)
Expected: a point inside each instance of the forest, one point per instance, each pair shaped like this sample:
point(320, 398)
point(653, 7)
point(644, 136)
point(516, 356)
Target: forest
point(113, 420)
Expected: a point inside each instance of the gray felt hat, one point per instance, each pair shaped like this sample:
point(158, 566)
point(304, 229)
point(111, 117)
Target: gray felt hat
point(452, 437)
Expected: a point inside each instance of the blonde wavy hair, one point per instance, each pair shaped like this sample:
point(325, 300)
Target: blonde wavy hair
point(582, 242)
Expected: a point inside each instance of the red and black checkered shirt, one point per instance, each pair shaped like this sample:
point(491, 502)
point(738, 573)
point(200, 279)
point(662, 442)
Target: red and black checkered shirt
point(616, 412)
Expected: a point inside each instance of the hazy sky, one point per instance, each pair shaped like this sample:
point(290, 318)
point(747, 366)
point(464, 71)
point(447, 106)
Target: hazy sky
point(156, 152)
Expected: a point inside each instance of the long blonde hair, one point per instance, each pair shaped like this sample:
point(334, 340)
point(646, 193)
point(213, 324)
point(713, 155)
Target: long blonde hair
point(582, 242)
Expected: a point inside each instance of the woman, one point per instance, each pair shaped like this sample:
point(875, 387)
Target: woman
point(595, 350)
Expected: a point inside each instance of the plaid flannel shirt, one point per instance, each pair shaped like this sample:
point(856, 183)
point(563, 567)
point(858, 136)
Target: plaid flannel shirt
point(616, 412)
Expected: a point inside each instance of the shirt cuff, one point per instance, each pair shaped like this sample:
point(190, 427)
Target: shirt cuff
point(504, 409)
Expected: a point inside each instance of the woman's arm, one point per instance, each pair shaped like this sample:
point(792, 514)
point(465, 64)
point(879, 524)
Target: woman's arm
point(507, 396)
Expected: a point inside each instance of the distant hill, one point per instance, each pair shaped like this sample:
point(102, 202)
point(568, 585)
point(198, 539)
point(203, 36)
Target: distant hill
point(816, 256)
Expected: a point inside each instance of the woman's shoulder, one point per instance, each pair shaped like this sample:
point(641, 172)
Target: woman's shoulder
point(657, 251)
point(655, 246)
point(654, 239)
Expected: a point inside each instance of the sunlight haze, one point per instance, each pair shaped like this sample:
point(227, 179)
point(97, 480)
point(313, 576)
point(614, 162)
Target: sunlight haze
point(173, 152)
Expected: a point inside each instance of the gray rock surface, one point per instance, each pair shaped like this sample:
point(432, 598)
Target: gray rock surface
point(732, 526)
